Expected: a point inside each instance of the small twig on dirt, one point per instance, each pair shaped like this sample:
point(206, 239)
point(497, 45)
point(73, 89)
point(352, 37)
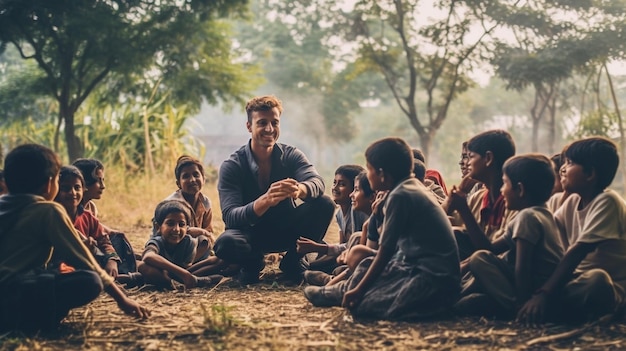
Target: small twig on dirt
point(571, 333)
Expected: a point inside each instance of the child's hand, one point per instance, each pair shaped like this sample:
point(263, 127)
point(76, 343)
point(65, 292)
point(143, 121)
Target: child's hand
point(467, 183)
point(111, 268)
point(457, 199)
point(306, 245)
point(533, 310)
point(132, 308)
point(380, 196)
point(352, 298)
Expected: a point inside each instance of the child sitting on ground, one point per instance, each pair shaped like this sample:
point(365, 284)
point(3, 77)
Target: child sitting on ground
point(348, 219)
point(468, 185)
point(415, 272)
point(558, 194)
point(93, 176)
point(531, 247)
point(590, 280)
point(432, 179)
point(483, 214)
point(32, 227)
point(170, 251)
point(70, 195)
point(189, 173)
point(362, 197)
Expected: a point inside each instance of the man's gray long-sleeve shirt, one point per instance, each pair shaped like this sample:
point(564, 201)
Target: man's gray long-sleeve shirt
point(238, 185)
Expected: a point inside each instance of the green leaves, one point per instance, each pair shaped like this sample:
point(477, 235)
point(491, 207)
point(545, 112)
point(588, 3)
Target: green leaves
point(78, 46)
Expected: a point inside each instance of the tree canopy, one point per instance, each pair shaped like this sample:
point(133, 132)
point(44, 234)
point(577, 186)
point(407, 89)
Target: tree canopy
point(181, 45)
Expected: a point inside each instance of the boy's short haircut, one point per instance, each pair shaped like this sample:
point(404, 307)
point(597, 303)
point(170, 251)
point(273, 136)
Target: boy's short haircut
point(166, 207)
point(88, 167)
point(67, 172)
point(392, 155)
point(263, 103)
point(418, 155)
point(419, 169)
point(185, 161)
point(349, 172)
point(595, 153)
point(535, 172)
point(364, 184)
point(498, 141)
point(29, 167)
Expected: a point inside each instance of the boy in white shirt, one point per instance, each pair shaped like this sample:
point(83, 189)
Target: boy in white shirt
point(590, 280)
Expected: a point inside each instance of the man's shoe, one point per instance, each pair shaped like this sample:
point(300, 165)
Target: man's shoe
point(317, 278)
point(323, 296)
point(291, 266)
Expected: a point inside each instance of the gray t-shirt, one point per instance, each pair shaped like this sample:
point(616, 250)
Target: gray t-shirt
point(420, 229)
point(536, 225)
point(181, 255)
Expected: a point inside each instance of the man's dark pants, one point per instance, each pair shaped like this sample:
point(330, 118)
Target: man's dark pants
point(246, 247)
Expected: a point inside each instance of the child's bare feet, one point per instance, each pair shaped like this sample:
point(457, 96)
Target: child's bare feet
point(210, 281)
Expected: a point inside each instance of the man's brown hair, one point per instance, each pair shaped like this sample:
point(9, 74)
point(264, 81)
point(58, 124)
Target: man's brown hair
point(263, 103)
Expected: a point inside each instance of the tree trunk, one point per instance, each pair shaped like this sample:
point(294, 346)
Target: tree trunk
point(426, 141)
point(535, 136)
point(74, 150)
point(552, 127)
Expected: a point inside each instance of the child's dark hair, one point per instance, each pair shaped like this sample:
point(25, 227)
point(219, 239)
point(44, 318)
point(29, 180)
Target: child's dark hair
point(185, 161)
point(88, 167)
point(349, 172)
point(499, 142)
point(419, 169)
point(535, 172)
point(557, 162)
point(166, 207)
point(364, 184)
point(263, 103)
point(71, 172)
point(595, 153)
point(418, 154)
point(28, 168)
point(392, 155)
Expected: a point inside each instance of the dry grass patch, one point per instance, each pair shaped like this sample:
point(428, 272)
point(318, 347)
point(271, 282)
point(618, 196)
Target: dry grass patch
point(270, 315)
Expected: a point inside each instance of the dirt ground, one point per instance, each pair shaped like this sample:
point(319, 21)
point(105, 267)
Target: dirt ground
point(273, 316)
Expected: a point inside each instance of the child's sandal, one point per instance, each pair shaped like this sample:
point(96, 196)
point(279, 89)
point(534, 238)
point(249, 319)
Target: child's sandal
point(209, 281)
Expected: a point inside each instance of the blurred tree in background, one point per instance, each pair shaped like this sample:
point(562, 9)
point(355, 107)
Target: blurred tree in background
point(78, 46)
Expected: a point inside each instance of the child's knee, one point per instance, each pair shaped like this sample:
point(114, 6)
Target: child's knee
point(479, 259)
point(357, 254)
